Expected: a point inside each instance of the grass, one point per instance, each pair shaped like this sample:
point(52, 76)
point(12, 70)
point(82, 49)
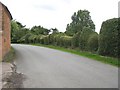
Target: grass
point(9, 57)
point(104, 59)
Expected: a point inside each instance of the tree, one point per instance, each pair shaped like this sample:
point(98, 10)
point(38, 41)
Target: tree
point(39, 30)
point(17, 31)
point(80, 20)
point(54, 30)
point(14, 29)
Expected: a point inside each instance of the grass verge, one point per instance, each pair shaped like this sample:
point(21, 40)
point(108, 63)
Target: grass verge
point(104, 59)
point(9, 57)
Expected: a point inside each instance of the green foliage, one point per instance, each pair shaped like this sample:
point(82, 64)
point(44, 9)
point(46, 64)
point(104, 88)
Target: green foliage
point(80, 34)
point(32, 38)
point(9, 57)
point(14, 29)
point(46, 40)
point(108, 38)
point(84, 36)
point(66, 41)
point(39, 30)
point(92, 44)
point(75, 40)
point(54, 30)
point(80, 20)
point(119, 38)
point(17, 31)
point(60, 39)
point(25, 39)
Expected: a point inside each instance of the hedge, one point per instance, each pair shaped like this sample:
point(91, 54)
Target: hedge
point(92, 43)
point(108, 38)
point(84, 36)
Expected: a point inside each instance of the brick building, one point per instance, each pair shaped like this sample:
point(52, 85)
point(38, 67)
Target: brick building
point(5, 27)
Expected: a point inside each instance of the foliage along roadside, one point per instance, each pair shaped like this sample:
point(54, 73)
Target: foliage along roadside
point(80, 33)
point(9, 57)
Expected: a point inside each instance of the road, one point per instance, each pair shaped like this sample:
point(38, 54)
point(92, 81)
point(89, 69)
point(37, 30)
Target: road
point(49, 68)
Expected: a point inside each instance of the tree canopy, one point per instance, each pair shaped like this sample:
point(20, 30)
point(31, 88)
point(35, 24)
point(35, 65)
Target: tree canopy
point(80, 20)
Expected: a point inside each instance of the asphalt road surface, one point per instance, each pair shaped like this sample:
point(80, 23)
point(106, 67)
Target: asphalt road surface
point(49, 68)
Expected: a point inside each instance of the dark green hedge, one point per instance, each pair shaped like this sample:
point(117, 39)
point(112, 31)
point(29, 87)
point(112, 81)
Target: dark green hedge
point(108, 38)
point(75, 40)
point(92, 43)
point(84, 36)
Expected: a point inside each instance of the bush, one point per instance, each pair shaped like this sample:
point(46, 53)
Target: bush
point(52, 39)
point(75, 40)
point(46, 40)
point(9, 57)
point(84, 36)
point(57, 39)
point(25, 39)
point(32, 39)
point(66, 41)
point(92, 44)
point(40, 39)
point(108, 38)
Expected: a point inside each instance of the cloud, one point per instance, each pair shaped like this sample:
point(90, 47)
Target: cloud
point(66, 1)
point(45, 7)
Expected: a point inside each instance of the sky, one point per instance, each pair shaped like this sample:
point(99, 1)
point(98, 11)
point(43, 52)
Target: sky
point(57, 13)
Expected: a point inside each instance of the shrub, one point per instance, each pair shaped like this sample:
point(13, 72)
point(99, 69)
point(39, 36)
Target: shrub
point(67, 41)
point(46, 40)
point(75, 40)
point(108, 38)
point(9, 57)
point(52, 39)
point(32, 39)
point(41, 39)
point(92, 43)
point(25, 39)
point(84, 36)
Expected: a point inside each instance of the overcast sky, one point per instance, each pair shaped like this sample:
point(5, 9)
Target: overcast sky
point(57, 13)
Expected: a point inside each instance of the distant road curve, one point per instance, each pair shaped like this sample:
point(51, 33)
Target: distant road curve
point(49, 68)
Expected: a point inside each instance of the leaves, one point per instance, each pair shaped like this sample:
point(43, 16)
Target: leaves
point(80, 20)
point(108, 38)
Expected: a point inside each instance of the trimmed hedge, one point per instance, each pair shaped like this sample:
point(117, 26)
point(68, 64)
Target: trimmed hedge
point(108, 38)
point(92, 43)
point(46, 40)
point(106, 43)
point(58, 39)
point(75, 40)
point(66, 41)
point(84, 36)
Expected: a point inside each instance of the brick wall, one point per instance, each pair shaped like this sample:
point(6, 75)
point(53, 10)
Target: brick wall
point(0, 31)
point(5, 30)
